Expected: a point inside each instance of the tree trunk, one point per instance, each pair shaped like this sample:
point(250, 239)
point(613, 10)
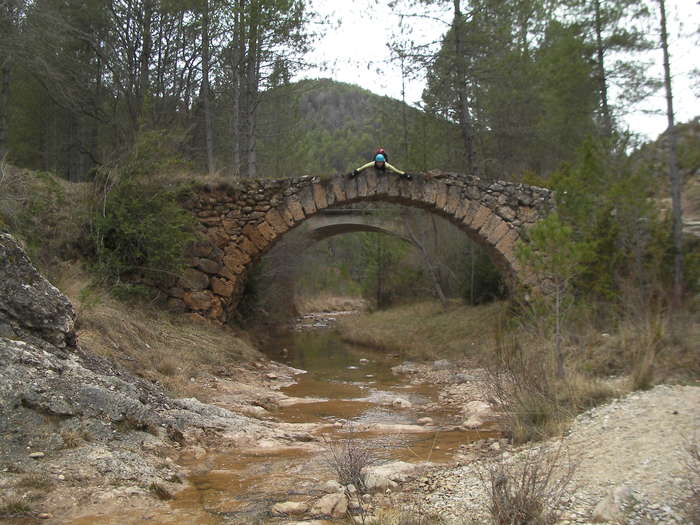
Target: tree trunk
point(465, 122)
point(252, 93)
point(674, 173)
point(557, 336)
point(144, 60)
point(602, 78)
point(434, 277)
point(5, 74)
point(209, 139)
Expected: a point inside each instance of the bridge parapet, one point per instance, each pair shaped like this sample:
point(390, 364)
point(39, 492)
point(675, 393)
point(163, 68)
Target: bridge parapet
point(240, 222)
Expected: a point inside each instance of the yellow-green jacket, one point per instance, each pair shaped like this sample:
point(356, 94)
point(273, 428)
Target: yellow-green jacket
point(386, 166)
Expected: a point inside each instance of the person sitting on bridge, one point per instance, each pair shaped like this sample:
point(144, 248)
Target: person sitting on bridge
point(381, 163)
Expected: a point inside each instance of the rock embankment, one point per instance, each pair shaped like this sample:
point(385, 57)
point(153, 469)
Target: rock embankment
point(74, 422)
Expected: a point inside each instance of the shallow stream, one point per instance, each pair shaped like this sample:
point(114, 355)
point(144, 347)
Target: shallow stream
point(351, 390)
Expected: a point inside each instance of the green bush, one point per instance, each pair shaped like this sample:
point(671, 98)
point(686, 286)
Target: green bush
point(139, 228)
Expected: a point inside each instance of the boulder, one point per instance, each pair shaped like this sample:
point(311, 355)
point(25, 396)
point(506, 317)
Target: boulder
point(388, 476)
point(30, 306)
point(477, 413)
point(334, 505)
point(331, 486)
point(442, 364)
point(289, 508)
point(400, 402)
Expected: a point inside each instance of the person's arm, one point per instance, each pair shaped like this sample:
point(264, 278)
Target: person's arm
point(395, 170)
point(362, 168)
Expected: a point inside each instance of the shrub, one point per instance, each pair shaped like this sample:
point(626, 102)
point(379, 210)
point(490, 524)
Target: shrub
point(692, 506)
point(138, 226)
point(528, 491)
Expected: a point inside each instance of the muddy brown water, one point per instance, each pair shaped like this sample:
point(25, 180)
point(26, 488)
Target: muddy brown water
point(352, 387)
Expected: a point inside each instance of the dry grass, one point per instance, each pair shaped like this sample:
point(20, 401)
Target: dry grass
point(35, 481)
point(426, 330)
point(149, 341)
point(47, 212)
point(405, 517)
point(14, 508)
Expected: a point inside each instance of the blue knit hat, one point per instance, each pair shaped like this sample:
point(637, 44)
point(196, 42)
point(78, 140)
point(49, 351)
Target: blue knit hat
point(379, 158)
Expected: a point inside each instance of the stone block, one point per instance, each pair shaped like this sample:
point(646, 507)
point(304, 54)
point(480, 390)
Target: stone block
point(226, 273)
point(527, 214)
point(254, 235)
point(338, 189)
point(234, 264)
point(478, 219)
point(177, 305)
point(394, 186)
point(405, 189)
point(506, 246)
point(362, 185)
point(207, 265)
point(241, 256)
point(493, 229)
point(371, 178)
point(217, 237)
point(295, 208)
point(328, 189)
point(247, 246)
point(506, 212)
point(200, 301)
point(306, 197)
point(462, 209)
point(441, 195)
point(201, 249)
point(417, 189)
point(498, 232)
point(453, 199)
point(194, 280)
point(274, 219)
point(383, 183)
point(223, 287)
point(320, 198)
point(286, 215)
point(429, 192)
point(267, 231)
point(350, 187)
point(230, 226)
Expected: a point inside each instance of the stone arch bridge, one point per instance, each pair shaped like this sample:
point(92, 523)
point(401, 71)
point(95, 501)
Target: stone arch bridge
point(240, 222)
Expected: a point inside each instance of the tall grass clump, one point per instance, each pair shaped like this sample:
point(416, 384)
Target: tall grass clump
point(535, 400)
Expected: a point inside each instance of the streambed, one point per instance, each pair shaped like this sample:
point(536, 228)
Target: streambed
point(346, 392)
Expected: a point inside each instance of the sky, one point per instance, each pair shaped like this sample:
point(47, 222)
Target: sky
point(354, 50)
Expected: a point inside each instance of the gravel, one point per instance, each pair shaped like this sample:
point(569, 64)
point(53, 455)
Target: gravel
point(637, 443)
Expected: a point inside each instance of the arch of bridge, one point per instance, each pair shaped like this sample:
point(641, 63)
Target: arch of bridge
point(242, 221)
